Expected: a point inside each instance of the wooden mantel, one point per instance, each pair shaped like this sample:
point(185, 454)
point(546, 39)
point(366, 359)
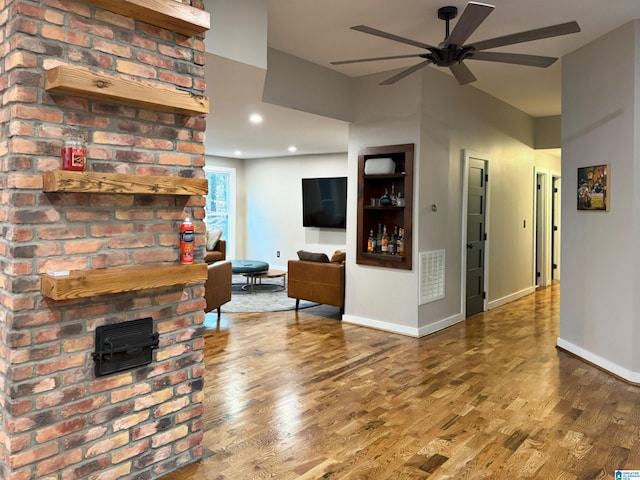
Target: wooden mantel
point(82, 81)
point(89, 283)
point(99, 182)
point(168, 14)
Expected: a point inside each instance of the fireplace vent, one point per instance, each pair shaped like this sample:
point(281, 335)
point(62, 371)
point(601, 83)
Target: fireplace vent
point(123, 346)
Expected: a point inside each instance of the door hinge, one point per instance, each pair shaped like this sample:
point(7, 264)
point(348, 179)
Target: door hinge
point(484, 295)
point(537, 274)
point(555, 265)
point(555, 228)
point(485, 237)
point(555, 190)
point(539, 187)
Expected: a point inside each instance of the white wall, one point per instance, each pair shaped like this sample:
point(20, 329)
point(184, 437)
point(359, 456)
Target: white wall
point(381, 297)
point(600, 302)
point(238, 30)
point(273, 190)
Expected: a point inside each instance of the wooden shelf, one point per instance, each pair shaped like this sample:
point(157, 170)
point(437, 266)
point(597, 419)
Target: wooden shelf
point(88, 283)
point(93, 182)
point(370, 216)
point(81, 81)
point(376, 258)
point(168, 14)
point(384, 176)
point(375, 207)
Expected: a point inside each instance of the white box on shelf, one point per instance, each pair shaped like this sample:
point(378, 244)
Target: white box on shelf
point(379, 166)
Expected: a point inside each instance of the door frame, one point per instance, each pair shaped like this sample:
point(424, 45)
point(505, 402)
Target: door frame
point(543, 229)
point(466, 155)
point(556, 182)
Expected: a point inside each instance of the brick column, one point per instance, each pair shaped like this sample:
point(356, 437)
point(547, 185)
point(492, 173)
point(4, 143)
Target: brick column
point(58, 421)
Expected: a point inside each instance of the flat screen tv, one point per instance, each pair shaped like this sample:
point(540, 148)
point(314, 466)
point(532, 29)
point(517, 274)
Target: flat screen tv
point(324, 202)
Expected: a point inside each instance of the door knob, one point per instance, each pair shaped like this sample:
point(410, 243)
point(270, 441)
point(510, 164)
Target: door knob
point(469, 245)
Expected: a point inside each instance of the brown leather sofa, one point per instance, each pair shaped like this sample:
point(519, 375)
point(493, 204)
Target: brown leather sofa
point(218, 254)
point(317, 282)
point(217, 287)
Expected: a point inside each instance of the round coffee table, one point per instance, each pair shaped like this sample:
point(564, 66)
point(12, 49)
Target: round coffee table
point(270, 274)
point(249, 268)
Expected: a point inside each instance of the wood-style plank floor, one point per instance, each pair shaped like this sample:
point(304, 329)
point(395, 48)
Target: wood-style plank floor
point(304, 396)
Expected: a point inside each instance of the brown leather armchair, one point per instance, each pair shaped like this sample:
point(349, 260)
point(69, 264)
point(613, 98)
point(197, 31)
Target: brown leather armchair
point(317, 282)
point(217, 287)
point(218, 254)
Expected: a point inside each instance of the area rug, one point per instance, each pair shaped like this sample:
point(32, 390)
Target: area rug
point(269, 296)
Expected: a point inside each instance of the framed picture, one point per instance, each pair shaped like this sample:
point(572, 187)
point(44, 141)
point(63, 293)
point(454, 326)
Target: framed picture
point(593, 188)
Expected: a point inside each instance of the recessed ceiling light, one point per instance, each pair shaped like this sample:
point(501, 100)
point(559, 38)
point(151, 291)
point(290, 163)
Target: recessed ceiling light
point(237, 153)
point(255, 118)
point(292, 148)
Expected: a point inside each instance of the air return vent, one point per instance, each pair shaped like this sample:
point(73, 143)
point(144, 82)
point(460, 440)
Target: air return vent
point(431, 276)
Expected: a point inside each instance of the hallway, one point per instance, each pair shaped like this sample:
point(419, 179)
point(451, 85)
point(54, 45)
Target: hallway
point(301, 395)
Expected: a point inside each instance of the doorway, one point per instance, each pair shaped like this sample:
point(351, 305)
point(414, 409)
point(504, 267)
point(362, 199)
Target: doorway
point(475, 250)
point(547, 227)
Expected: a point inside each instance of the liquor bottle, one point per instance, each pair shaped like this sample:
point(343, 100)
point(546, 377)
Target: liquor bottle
point(379, 239)
point(392, 241)
point(394, 198)
point(385, 200)
point(400, 200)
point(371, 242)
point(385, 240)
point(400, 242)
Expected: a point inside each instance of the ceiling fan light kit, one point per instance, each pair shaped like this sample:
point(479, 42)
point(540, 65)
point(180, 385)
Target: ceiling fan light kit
point(452, 52)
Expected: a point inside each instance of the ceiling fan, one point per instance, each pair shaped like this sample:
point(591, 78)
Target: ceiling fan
point(452, 52)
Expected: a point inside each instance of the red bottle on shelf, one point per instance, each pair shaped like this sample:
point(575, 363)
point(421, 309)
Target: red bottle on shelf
point(187, 240)
point(74, 153)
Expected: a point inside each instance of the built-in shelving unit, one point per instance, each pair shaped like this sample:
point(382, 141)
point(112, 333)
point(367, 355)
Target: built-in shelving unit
point(168, 14)
point(84, 82)
point(95, 182)
point(89, 283)
point(369, 216)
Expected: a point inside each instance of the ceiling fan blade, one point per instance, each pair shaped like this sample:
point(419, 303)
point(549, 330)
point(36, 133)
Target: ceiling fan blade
point(393, 57)
point(474, 14)
point(390, 36)
point(405, 73)
point(515, 58)
point(462, 73)
point(528, 36)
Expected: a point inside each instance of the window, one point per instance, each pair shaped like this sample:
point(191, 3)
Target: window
point(220, 204)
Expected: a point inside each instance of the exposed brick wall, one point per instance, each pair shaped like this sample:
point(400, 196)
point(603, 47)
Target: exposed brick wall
point(58, 421)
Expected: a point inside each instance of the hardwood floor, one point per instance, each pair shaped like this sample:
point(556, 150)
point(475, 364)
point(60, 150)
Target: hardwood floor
point(304, 396)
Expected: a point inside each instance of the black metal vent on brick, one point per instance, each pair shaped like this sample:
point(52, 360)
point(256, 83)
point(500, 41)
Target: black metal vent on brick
point(125, 345)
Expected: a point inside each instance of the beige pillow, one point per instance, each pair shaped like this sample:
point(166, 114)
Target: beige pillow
point(339, 256)
point(212, 237)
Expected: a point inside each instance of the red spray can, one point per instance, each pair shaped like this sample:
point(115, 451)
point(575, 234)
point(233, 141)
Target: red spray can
point(187, 241)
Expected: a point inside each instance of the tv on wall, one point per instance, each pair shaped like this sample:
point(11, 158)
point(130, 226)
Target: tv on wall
point(324, 202)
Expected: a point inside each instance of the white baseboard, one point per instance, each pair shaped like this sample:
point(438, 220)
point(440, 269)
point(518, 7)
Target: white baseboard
point(380, 325)
point(510, 298)
point(403, 329)
point(603, 363)
point(439, 325)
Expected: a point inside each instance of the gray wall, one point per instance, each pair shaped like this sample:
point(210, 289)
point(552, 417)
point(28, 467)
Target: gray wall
point(599, 304)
